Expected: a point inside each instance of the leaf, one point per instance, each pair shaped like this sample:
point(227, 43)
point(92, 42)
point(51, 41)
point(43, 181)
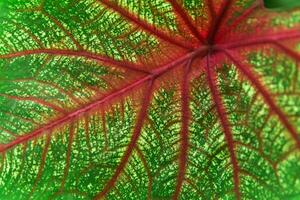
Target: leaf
point(190, 99)
point(280, 4)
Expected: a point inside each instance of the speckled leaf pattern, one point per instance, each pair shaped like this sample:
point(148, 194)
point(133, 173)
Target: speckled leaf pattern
point(149, 99)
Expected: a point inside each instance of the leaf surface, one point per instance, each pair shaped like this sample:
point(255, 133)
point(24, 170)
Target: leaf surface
point(187, 99)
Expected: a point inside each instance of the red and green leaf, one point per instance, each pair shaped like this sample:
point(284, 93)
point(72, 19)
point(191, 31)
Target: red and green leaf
point(165, 99)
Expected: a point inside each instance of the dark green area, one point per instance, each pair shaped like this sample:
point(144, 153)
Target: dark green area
point(282, 4)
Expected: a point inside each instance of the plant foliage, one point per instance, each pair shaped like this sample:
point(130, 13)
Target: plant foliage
point(281, 4)
point(148, 99)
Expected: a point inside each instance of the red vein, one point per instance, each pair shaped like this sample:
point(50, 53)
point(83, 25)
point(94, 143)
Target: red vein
point(35, 100)
point(23, 157)
point(288, 51)
point(19, 117)
point(187, 19)
point(252, 77)
point(184, 130)
point(196, 189)
point(66, 31)
point(268, 39)
point(217, 23)
point(68, 156)
point(132, 144)
point(8, 132)
point(145, 26)
point(148, 171)
point(242, 17)
point(105, 134)
point(71, 115)
point(42, 164)
point(28, 31)
point(94, 90)
point(84, 54)
point(108, 97)
point(13, 124)
point(216, 96)
point(60, 89)
point(178, 61)
point(87, 132)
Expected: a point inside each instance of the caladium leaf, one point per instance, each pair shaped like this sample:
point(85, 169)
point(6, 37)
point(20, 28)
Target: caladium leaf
point(143, 99)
